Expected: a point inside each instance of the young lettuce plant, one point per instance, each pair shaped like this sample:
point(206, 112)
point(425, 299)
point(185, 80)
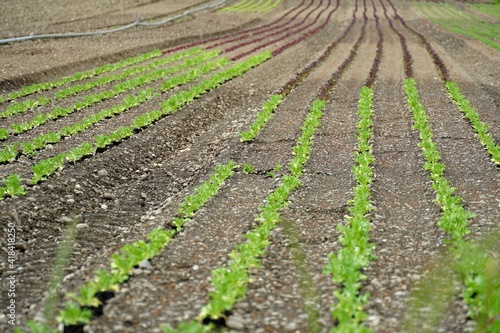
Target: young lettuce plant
point(13, 186)
point(9, 153)
point(77, 153)
point(247, 168)
point(102, 140)
point(46, 167)
point(73, 314)
point(4, 133)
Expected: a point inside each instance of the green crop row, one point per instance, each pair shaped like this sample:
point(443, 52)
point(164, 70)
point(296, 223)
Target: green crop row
point(74, 313)
point(469, 32)
point(252, 5)
point(490, 9)
point(480, 127)
point(12, 187)
point(237, 6)
point(266, 114)
point(346, 265)
point(46, 167)
point(450, 16)
point(470, 18)
point(117, 89)
point(10, 152)
point(130, 255)
point(126, 73)
point(482, 298)
point(28, 90)
point(455, 217)
point(230, 283)
point(16, 107)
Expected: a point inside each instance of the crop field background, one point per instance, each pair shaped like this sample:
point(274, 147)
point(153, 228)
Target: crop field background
point(250, 166)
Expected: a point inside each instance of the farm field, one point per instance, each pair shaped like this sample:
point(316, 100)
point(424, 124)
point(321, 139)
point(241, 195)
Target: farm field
point(259, 166)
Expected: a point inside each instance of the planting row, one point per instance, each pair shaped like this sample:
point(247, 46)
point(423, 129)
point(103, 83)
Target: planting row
point(453, 20)
point(490, 9)
point(454, 219)
point(347, 264)
point(252, 5)
point(481, 128)
point(130, 255)
point(89, 100)
point(480, 287)
point(240, 35)
point(28, 90)
point(16, 108)
point(10, 152)
point(46, 167)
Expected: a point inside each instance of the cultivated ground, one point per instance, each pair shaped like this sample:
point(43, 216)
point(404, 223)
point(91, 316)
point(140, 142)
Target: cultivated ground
point(125, 190)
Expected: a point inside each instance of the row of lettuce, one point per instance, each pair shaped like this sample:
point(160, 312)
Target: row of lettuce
point(78, 310)
point(462, 22)
point(46, 167)
point(38, 87)
point(89, 100)
point(11, 152)
point(252, 6)
point(481, 290)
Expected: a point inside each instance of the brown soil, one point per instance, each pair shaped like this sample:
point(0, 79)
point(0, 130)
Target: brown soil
point(122, 193)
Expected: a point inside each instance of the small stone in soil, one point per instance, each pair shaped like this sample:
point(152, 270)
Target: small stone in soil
point(145, 264)
point(65, 219)
point(235, 322)
point(291, 326)
point(108, 196)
